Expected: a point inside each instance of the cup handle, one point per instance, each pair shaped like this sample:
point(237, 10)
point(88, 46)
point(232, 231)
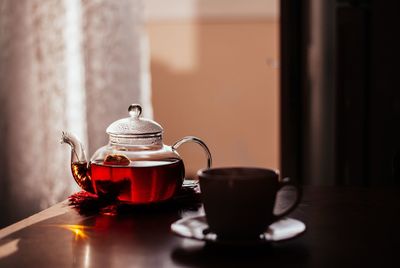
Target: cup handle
point(195, 140)
point(284, 183)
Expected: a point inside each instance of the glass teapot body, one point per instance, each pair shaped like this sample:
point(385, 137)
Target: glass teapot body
point(135, 166)
point(136, 175)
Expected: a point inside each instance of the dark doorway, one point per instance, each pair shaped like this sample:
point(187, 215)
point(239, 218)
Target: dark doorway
point(340, 101)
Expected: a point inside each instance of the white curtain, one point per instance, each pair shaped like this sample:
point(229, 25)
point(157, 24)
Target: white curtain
point(64, 64)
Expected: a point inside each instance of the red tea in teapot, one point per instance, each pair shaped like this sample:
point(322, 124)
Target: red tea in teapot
point(138, 182)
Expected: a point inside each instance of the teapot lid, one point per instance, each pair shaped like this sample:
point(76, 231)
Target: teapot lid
point(134, 126)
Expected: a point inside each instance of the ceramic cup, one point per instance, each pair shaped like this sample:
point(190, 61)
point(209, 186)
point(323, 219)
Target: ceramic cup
point(239, 201)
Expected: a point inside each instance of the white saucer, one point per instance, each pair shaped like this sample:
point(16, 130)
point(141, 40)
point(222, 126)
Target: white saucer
point(197, 228)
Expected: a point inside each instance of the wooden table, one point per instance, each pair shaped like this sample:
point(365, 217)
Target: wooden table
point(346, 227)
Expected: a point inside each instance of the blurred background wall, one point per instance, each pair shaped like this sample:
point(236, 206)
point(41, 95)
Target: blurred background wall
point(215, 72)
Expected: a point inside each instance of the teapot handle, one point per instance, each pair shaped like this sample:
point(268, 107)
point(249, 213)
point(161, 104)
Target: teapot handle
point(195, 140)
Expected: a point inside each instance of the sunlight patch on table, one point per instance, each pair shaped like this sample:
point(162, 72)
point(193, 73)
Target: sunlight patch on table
point(9, 248)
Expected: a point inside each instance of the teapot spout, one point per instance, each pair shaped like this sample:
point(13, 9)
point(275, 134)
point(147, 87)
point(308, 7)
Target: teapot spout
point(79, 163)
point(77, 150)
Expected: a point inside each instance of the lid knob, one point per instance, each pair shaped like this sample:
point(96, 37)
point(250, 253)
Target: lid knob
point(135, 110)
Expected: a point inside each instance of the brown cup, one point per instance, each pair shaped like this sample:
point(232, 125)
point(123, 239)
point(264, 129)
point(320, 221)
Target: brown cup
point(239, 201)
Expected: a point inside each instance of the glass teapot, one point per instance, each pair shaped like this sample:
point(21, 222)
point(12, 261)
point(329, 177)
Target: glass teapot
point(135, 166)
